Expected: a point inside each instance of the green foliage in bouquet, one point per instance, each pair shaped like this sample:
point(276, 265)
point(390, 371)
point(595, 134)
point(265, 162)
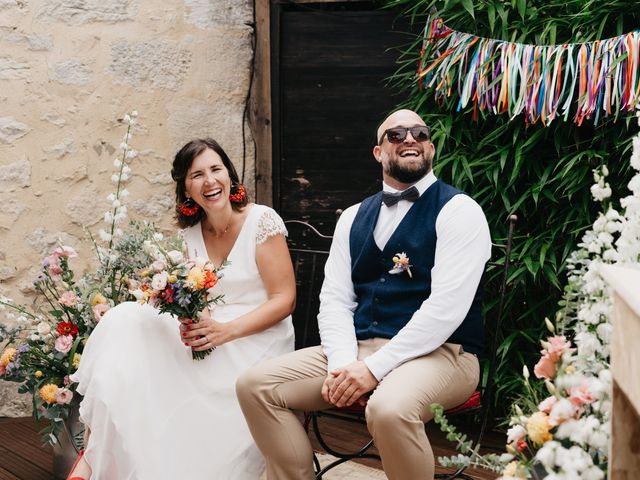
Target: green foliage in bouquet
point(542, 174)
point(45, 347)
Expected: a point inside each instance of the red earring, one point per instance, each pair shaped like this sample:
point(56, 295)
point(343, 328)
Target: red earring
point(189, 208)
point(240, 195)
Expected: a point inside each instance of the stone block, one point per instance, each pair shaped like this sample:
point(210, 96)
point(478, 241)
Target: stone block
point(86, 208)
point(10, 211)
point(71, 72)
point(157, 208)
point(144, 64)
point(78, 12)
point(44, 242)
point(54, 118)
point(210, 13)
point(36, 43)
point(11, 130)
point(15, 175)
point(61, 149)
point(11, 69)
point(13, 404)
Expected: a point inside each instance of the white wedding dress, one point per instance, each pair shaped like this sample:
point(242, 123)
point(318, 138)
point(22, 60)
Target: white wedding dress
point(156, 414)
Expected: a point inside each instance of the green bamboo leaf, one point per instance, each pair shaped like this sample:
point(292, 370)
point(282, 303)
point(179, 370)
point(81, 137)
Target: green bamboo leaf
point(522, 7)
point(468, 6)
point(491, 14)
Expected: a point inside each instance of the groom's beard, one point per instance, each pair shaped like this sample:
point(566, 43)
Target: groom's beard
point(407, 173)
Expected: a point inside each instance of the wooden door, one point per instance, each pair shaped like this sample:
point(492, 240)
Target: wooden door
point(329, 63)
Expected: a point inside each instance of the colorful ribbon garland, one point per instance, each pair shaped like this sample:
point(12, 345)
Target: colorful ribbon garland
point(540, 81)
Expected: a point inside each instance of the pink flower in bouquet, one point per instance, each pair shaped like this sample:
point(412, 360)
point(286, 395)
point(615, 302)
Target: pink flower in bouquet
point(158, 266)
point(64, 343)
point(132, 284)
point(556, 346)
point(64, 396)
point(547, 404)
point(52, 263)
point(545, 368)
point(65, 251)
point(159, 281)
point(68, 299)
point(580, 395)
point(3, 369)
point(99, 310)
point(66, 381)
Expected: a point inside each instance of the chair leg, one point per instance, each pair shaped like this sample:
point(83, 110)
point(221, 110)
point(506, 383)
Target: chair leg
point(342, 457)
point(458, 474)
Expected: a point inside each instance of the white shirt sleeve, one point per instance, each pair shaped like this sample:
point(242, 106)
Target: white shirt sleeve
point(338, 299)
point(463, 247)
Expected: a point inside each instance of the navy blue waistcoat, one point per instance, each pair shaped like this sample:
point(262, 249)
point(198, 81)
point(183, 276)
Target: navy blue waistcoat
point(387, 302)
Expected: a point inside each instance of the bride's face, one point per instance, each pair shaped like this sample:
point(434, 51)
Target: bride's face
point(208, 181)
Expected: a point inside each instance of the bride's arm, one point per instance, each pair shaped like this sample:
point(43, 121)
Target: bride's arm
point(276, 271)
point(274, 265)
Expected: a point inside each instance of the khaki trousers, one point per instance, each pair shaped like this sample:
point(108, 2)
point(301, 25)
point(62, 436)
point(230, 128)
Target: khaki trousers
point(395, 413)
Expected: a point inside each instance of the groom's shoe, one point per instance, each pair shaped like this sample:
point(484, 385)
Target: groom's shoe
point(75, 464)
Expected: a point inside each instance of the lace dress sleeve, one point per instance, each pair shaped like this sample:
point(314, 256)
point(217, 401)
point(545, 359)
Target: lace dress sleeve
point(269, 224)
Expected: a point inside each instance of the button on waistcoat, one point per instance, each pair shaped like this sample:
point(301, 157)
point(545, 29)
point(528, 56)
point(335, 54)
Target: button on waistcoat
point(386, 302)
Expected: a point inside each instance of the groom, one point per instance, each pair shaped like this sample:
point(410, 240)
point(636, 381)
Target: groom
point(400, 317)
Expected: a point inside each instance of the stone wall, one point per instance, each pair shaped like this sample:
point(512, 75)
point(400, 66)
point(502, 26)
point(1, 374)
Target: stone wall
point(69, 70)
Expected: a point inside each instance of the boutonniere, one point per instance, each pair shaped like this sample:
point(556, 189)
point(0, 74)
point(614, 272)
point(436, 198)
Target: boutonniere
point(401, 264)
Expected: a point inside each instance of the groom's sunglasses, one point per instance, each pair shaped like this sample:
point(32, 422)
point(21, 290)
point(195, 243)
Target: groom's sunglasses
point(398, 134)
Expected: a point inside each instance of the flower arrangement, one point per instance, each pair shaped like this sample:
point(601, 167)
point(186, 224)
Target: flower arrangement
point(181, 288)
point(47, 345)
point(560, 429)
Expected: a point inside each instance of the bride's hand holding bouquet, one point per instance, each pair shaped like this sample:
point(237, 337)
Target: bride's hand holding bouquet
point(184, 289)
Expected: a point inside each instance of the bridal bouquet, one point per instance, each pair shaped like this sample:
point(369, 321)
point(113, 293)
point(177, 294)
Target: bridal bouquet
point(181, 288)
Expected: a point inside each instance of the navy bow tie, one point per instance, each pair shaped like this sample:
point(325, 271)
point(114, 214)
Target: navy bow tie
point(411, 194)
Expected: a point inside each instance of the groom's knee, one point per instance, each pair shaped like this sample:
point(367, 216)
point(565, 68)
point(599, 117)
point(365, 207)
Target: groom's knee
point(249, 384)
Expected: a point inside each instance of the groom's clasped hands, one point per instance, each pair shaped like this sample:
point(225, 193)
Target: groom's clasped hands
point(347, 385)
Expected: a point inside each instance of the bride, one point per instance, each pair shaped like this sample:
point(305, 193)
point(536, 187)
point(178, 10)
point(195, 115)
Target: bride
point(153, 412)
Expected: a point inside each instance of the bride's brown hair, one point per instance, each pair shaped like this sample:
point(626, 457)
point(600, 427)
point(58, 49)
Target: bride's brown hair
point(181, 165)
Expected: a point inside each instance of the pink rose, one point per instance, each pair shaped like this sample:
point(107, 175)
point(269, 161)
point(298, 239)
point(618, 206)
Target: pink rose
point(99, 310)
point(158, 266)
point(64, 343)
point(66, 381)
point(68, 299)
point(545, 368)
point(547, 404)
point(64, 396)
point(65, 251)
point(556, 346)
point(580, 395)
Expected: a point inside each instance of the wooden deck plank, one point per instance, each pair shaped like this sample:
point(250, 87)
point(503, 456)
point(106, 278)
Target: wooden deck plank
point(20, 466)
point(23, 457)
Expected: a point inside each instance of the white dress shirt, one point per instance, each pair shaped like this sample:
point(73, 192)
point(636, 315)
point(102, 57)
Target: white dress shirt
point(463, 247)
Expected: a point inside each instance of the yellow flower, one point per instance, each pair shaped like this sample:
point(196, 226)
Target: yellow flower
point(511, 469)
point(196, 277)
point(8, 356)
point(538, 428)
point(48, 392)
point(39, 374)
point(569, 369)
point(76, 360)
point(172, 279)
point(98, 298)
